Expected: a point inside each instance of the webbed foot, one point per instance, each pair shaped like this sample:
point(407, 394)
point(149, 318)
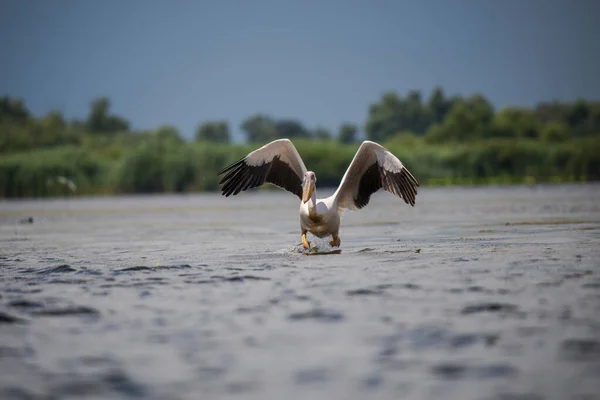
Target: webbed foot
point(305, 242)
point(336, 241)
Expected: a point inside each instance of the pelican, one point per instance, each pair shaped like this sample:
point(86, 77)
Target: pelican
point(372, 168)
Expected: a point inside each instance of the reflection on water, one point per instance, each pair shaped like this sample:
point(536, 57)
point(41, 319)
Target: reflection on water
point(476, 293)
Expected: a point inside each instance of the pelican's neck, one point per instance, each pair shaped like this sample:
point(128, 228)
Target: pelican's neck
point(312, 204)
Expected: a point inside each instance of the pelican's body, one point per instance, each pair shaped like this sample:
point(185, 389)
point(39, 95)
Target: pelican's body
point(320, 217)
point(279, 163)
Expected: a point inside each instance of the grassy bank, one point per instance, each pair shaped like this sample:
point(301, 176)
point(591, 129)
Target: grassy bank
point(160, 165)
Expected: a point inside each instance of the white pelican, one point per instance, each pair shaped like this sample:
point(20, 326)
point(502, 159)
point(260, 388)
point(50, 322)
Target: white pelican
point(372, 168)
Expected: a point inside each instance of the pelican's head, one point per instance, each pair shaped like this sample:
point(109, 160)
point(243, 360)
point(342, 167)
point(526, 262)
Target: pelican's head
point(308, 186)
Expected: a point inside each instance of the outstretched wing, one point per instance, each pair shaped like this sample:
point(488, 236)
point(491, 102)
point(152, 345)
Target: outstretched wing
point(372, 168)
point(277, 162)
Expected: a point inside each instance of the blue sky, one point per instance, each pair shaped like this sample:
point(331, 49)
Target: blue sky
point(181, 62)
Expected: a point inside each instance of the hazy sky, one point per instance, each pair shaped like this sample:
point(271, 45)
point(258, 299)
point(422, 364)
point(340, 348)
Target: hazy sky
point(323, 62)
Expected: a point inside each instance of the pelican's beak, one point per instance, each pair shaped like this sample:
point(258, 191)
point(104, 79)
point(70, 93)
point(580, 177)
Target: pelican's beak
point(307, 191)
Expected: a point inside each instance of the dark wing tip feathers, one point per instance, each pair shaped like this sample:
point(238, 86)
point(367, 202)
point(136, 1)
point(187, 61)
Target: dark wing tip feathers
point(403, 184)
point(230, 166)
point(240, 176)
point(406, 184)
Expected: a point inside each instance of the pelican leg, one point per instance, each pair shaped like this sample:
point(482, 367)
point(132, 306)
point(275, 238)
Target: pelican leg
point(336, 241)
point(305, 242)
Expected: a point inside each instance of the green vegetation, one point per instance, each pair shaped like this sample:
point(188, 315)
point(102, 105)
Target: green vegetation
point(442, 140)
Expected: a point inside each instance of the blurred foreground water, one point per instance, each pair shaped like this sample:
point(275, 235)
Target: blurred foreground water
point(476, 293)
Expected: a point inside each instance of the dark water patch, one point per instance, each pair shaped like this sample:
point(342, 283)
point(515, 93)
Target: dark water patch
point(208, 372)
point(25, 304)
point(577, 275)
point(19, 393)
point(498, 370)
point(450, 370)
point(120, 382)
point(366, 249)
point(491, 307)
point(372, 382)
point(490, 339)
point(170, 267)
point(191, 274)
point(119, 285)
point(22, 291)
point(145, 284)
point(8, 318)
point(240, 278)
point(410, 286)
point(391, 346)
point(551, 283)
point(402, 251)
point(365, 292)
point(591, 285)
point(68, 281)
point(150, 281)
point(580, 349)
point(318, 314)
point(157, 268)
point(15, 352)
point(249, 310)
point(221, 278)
point(430, 337)
point(465, 340)
point(427, 336)
point(23, 278)
point(478, 289)
point(64, 268)
point(136, 268)
point(462, 259)
point(66, 311)
point(384, 286)
point(311, 375)
point(81, 388)
point(454, 371)
point(322, 253)
point(269, 267)
point(199, 282)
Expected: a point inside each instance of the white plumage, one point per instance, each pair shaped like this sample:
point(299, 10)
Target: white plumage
point(372, 168)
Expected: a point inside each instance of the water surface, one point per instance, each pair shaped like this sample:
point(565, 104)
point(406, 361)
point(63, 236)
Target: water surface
point(475, 293)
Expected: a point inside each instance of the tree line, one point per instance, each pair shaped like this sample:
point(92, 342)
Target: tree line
point(444, 139)
point(437, 119)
